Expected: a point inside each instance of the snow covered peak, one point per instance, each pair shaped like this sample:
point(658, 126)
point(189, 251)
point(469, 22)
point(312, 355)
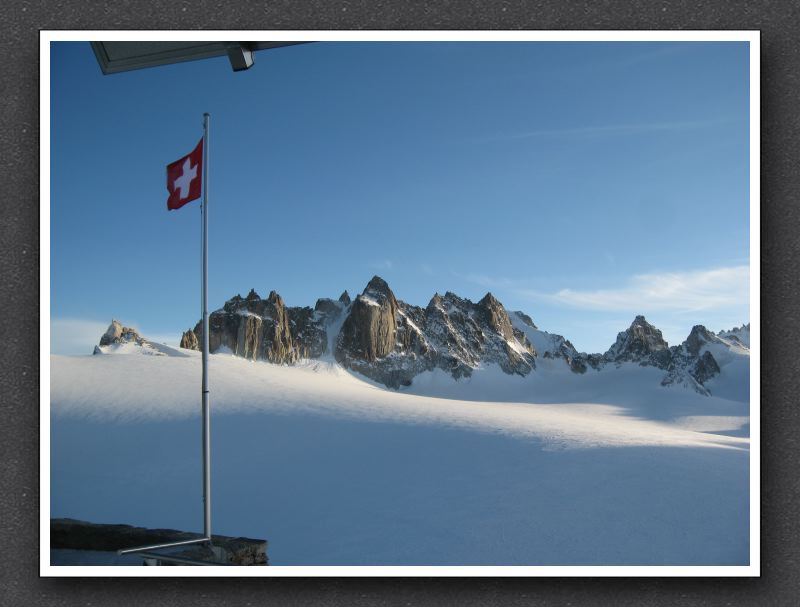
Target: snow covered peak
point(527, 320)
point(119, 339)
point(699, 337)
point(329, 307)
point(377, 285)
point(740, 334)
point(344, 298)
point(435, 302)
point(703, 358)
point(642, 343)
point(450, 301)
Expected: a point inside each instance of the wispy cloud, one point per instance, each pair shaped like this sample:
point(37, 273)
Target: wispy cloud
point(427, 269)
point(490, 282)
point(75, 335)
point(609, 129)
point(676, 291)
point(381, 264)
point(668, 50)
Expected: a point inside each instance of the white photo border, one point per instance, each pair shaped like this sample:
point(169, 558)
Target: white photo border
point(753, 37)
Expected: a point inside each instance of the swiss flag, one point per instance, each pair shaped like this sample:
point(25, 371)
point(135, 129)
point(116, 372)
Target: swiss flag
point(185, 178)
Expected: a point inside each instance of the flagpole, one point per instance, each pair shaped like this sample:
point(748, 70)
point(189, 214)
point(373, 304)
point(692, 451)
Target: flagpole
point(204, 303)
point(206, 430)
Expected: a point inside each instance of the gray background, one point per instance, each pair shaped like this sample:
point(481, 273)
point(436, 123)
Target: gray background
point(20, 584)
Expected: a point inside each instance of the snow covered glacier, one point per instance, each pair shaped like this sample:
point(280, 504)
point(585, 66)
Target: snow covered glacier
point(640, 458)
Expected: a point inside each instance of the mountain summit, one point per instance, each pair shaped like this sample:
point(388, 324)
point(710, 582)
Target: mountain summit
point(641, 343)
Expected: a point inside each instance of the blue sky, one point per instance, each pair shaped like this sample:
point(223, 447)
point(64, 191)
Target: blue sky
point(583, 183)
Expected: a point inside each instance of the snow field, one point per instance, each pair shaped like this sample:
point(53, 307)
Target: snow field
point(332, 469)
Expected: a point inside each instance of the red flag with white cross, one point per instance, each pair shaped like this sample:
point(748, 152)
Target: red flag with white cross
point(185, 178)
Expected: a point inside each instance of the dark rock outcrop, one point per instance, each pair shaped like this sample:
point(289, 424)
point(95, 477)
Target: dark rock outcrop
point(380, 337)
point(698, 337)
point(308, 335)
point(467, 334)
point(189, 341)
point(112, 334)
point(495, 316)
point(705, 368)
point(392, 342)
point(641, 343)
point(118, 335)
point(329, 308)
point(692, 364)
point(262, 329)
point(369, 331)
point(276, 343)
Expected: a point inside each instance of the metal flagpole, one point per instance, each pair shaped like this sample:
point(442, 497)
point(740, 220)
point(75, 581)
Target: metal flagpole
point(206, 431)
point(206, 413)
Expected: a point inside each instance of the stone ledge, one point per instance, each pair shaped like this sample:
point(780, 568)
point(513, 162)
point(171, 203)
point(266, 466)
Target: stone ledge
point(73, 534)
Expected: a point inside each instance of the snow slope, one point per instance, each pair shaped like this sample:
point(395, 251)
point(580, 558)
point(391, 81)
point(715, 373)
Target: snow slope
point(733, 381)
point(552, 468)
point(147, 349)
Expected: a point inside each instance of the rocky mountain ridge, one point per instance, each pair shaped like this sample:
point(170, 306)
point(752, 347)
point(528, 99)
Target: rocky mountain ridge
point(119, 338)
point(739, 334)
point(391, 342)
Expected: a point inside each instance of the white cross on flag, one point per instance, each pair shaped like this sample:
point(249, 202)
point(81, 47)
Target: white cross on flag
point(185, 178)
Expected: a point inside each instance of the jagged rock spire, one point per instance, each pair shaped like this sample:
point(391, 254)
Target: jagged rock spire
point(642, 343)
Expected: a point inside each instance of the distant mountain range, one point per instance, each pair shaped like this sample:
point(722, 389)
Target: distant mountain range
point(391, 342)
